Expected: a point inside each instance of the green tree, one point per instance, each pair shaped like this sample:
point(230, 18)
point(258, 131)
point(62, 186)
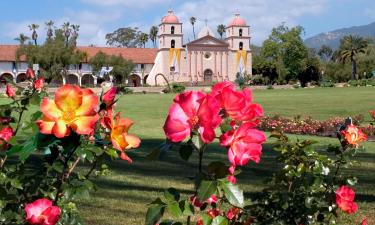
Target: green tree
point(122, 68)
point(142, 39)
point(221, 30)
point(22, 38)
point(124, 37)
point(325, 52)
point(350, 47)
point(49, 26)
point(154, 34)
point(33, 27)
point(192, 22)
point(286, 49)
point(53, 57)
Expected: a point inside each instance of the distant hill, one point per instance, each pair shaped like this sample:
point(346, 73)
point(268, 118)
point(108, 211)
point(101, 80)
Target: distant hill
point(332, 38)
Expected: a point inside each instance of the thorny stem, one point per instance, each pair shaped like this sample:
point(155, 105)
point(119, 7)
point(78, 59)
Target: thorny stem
point(65, 174)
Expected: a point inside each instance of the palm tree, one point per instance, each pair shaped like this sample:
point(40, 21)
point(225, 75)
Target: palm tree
point(34, 35)
point(49, 25)
point(22, 38)
point(67, 31)
point(325, 52)
point(192, 21)
point(153, 34)
point(350, 47)
point(143, 38)
point(75, 29)
point(221, 30)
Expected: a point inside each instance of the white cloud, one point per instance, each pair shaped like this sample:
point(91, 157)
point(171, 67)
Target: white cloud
point(261, 15)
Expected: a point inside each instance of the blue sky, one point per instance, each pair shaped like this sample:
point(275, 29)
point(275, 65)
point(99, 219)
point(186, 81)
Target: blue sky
point(98, 17)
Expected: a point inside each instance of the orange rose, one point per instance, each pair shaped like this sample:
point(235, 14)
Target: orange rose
point(73, 108)
point(120, 138)
point(353, 135)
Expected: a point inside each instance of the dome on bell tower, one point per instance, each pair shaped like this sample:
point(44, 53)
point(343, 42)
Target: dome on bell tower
point(170, 18)
point(237, 21)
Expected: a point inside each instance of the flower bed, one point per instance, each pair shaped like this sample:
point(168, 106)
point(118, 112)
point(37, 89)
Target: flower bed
point(309, 126)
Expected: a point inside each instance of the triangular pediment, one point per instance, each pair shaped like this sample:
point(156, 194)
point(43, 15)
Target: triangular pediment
point(208, 41)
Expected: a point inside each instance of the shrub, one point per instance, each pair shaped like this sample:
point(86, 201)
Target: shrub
point(326, 83)
point(65, 131)
point(178, 88)
point(124, 90)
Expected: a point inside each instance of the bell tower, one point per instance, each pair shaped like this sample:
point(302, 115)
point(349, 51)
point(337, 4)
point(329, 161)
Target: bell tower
point(170, 32)
point(238, 34)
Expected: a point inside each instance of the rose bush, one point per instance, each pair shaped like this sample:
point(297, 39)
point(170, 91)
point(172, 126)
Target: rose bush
point(310, 187)
point(39, 179)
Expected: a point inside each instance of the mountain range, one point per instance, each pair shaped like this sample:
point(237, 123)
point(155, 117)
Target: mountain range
point(332, 38)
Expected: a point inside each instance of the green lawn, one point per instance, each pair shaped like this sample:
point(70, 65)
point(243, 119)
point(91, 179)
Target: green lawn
point(122, 196)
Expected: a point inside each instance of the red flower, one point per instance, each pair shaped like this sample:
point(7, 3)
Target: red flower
point(199, 222)
point(244, 144)
point(353, 135)
point(192, 111)
point(232, 212)
point(364, 221)
point(372, 114)
point(42, 212)
point(10, 92)
point(6, 134)
point(39, 84)
point(218, 88)
point(211, 200)
point(238, 104)
point(108, 98)
point(30, 73)
point(213, 213)
point(345, 199)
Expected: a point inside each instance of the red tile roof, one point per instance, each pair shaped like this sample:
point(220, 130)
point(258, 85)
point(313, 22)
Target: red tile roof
point(137, 55)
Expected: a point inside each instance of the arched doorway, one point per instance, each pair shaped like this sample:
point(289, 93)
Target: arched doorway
point(134, 80)
point(207, 76)
point(4, 78)
point(87, 80)
point(56, 81)
point(72, 79)
point(21, 77)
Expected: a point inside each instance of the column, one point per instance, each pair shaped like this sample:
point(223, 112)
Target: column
point(227, 65)
point(221, 64)
point(201, 63)
point(189, 63)
point(196, 65)
point(215, 70)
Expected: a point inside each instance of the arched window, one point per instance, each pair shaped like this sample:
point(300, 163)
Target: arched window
point(240, 32)
point(172, 29)
point(173, 43)
point(241, 45)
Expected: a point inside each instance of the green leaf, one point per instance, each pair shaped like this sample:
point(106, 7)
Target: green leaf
point(206, 189)
point(207, 220)
point(16, 183)
point(174, 209)
point(220, 220)
point(187, 208)
point(197, 142)
point(172, 195)
point(186, 151)
point(154, 213)
point(233, 194)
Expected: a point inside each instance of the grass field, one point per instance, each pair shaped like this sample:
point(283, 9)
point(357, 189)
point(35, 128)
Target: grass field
point(122, 196)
